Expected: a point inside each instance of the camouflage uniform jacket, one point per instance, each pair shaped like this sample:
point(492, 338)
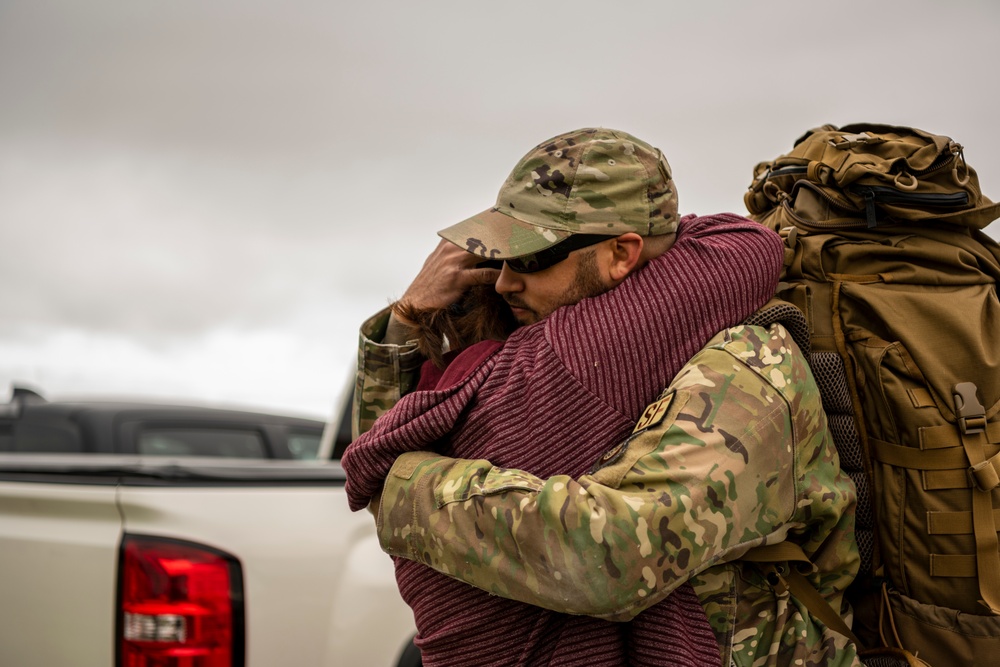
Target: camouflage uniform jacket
point(385, 373)
point(737, 453)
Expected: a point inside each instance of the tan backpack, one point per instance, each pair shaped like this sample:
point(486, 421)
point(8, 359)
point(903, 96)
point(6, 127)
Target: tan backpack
point(885, 257)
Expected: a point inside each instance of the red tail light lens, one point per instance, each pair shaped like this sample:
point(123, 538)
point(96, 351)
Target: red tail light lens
point(181, 605)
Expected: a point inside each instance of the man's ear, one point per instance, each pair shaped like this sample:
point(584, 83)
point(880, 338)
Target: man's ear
point(626, 251)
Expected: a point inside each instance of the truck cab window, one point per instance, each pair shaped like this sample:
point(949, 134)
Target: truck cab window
point(39, 438)
point(189, 441)
point(304, 444)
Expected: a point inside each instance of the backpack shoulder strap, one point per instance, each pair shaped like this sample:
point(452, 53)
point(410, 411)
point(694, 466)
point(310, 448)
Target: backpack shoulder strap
point(778, 311)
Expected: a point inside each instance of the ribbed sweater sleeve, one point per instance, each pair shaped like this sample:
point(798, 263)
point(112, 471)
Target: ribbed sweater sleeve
point(622, 344)
point(417, 421)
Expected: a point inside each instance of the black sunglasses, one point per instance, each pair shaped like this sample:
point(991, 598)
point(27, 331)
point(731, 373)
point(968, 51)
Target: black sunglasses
point(551, 256)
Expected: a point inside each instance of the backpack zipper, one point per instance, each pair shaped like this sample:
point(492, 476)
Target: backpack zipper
point(872, 195)
point(836, 203)
point(784, 171)
point(880, 194)
point(943, 160)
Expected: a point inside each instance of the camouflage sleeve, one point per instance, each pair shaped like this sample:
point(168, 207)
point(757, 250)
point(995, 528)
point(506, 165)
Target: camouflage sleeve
point(710, 472)
point(385, 372)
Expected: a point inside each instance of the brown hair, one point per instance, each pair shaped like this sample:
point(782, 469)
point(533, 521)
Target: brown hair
point(481, 314)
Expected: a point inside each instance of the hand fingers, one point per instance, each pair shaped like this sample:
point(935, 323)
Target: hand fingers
point(446, 274)
point(460, 267)
point(460, 256)
point(482, 276)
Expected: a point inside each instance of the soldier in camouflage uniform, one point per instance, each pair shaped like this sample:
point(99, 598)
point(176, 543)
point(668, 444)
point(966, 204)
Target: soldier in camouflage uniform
point(735, 454)
point(671, 516)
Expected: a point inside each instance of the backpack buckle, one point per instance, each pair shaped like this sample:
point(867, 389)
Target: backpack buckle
point(970, 412)
point(855, 140)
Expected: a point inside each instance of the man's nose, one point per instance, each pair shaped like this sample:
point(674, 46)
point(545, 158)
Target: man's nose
point(509, 281)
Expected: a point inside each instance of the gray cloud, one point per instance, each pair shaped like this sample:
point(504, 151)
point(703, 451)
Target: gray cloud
point(177, 174)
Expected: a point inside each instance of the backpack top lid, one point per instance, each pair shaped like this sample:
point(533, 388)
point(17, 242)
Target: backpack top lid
point(908, 174)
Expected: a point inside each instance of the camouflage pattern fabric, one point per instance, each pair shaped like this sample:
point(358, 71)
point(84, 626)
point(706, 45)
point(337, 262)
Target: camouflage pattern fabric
point(737, 453)
point(589, 181)
point(385, 372)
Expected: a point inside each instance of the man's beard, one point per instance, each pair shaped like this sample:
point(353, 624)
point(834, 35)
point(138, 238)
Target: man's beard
point(586, 283)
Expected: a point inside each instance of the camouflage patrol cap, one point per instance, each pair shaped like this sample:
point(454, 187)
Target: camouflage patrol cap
point(589, 181)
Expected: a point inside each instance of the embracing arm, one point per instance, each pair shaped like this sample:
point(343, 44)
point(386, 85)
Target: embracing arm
point(388, 368)
point(712, 479)
point(389, 360)
point(625, 345)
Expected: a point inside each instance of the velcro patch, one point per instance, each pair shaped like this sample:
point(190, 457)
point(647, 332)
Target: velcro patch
point(654, 413)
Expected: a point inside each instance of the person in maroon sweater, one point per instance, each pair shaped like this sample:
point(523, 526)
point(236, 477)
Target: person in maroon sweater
point(614, 294)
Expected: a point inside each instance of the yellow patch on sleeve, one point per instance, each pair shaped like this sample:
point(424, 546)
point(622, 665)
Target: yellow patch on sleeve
point(654, 413)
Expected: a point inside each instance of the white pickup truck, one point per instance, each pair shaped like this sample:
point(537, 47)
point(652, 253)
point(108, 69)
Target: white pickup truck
point(138, 535)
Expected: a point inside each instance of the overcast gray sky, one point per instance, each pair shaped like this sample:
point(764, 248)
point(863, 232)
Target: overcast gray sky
point(200, 200)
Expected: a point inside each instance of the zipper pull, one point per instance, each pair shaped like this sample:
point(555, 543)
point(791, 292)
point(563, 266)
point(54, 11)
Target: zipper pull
point(870, 209)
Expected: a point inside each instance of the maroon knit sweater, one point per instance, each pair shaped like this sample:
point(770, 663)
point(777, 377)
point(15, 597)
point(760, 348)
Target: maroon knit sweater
point(550, 401)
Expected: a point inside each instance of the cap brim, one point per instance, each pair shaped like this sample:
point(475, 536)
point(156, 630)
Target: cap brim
point(494, 234)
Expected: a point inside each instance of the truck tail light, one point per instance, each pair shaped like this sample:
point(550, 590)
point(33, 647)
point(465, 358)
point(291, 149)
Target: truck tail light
point(180, 605)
